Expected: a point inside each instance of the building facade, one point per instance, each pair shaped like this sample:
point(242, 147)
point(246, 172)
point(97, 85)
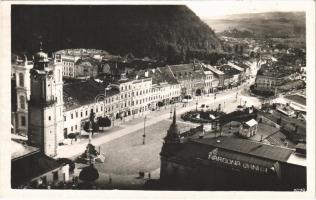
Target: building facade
point(191, 78)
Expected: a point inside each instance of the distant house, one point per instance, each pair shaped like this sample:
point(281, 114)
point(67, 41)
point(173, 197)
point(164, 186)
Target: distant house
point(249, 128)
point(87, 67)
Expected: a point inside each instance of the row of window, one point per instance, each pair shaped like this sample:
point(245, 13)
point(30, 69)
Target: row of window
point(67, 69)
point(86, 113)
point(68, 63)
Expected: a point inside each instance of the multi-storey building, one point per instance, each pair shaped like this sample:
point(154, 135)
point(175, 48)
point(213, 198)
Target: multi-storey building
point(21, 88)
point(165, 88)
point(269, 78)
point(87, 67)
point(210, 81)
point(218, 79)
point(190, 77)
point(68, 63)
point(231, 76)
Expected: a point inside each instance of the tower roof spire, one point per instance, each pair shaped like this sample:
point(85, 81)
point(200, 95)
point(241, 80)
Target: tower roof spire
point(173, 135)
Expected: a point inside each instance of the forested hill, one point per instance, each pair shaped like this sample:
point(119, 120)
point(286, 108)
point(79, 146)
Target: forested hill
point(155, 31)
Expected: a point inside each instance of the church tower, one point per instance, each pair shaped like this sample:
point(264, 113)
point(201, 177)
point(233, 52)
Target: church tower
point(46, 103)
point(173, 134)
point(172, 144)
point(21, 70)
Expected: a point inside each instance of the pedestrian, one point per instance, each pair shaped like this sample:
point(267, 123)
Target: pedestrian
point(110, 180)
point(149, 175)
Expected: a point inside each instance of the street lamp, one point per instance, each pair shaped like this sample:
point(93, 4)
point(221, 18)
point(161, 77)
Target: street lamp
point(170, 112)
point(90, 132)
point(144, 135)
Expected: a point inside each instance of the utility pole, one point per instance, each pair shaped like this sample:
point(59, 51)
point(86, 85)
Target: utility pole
point(144, 135)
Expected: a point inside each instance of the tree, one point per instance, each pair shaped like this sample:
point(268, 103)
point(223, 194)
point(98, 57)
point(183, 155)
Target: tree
point(104, 122)
point(72, 136)
point(88, 175)
point(87, 126)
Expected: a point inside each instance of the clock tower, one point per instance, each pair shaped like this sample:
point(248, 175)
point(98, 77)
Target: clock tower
point(46, 104)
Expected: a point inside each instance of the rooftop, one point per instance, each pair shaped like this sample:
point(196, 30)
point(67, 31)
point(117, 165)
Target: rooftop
point(159, 75)
point(228, 70)
point(187, 71)
point(214, 69)
point(92, 61)
point(32, 166)
point(297, 98)
point(84, 92)
point(19, 150)
point(249, 147)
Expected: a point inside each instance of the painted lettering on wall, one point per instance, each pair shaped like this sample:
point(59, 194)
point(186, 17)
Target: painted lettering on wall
point(236, 163)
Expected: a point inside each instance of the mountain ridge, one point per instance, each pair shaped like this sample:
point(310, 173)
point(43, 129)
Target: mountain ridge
point(154, 31)
point(272, 24)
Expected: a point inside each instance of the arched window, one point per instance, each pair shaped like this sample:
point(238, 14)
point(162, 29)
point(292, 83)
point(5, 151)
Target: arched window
point(22, 102)
point(21, 80)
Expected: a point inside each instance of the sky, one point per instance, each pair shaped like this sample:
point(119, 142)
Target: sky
point(218, 9)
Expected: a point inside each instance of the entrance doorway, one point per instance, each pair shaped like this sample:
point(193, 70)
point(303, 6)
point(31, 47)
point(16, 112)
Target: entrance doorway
point(65, 133)
point(198, 92)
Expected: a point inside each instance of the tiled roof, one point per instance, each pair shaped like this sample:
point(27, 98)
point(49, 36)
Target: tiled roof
point(275, 115)
point(20, 150)
point(27, 168)
point(248, 147)
point(198, 151)
point(85, 92)
point(187, 71)
point(228, 70)
point(297, 98)
point(94, 62)
point(215, 70)
point(159, 75)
